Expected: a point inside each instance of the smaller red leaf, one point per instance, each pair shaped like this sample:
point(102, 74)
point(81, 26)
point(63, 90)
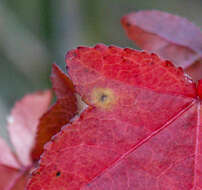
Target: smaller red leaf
point(59, 114)
point(15, 166)
point(62, 85)
point(170, 36)
point(23, 121)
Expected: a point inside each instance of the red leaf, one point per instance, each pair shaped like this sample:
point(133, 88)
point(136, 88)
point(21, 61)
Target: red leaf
point(170, 36)
point(62, 85)
point(141, 130)
point(59, 114)
point(23, 122)
point(15, 166)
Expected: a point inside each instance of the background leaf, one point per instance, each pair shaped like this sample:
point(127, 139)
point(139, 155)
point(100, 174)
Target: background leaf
point(172, 37)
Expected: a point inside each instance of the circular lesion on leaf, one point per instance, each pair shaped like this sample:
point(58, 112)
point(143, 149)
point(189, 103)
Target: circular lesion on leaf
point(103, 97)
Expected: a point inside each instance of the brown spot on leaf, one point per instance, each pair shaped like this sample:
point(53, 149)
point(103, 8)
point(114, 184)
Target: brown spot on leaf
point(103, 97)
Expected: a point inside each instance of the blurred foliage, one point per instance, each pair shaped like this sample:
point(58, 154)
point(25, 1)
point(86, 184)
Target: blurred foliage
point(36, 33)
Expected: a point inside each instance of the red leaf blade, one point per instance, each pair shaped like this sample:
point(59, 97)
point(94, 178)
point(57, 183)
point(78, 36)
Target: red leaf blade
point(23, 122)
point(165, 161)
point(99, 148)
point(62, 85)
point(59, 114)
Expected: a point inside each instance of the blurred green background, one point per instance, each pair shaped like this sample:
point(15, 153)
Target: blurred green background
point(36, 33)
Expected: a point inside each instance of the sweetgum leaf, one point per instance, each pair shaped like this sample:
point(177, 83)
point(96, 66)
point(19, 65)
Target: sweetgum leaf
point(59, 114)
point(172, 37)
point(23, 121)
point(141, 130)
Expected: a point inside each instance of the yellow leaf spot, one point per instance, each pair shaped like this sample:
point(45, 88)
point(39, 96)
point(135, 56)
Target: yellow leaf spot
point(103, 97)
